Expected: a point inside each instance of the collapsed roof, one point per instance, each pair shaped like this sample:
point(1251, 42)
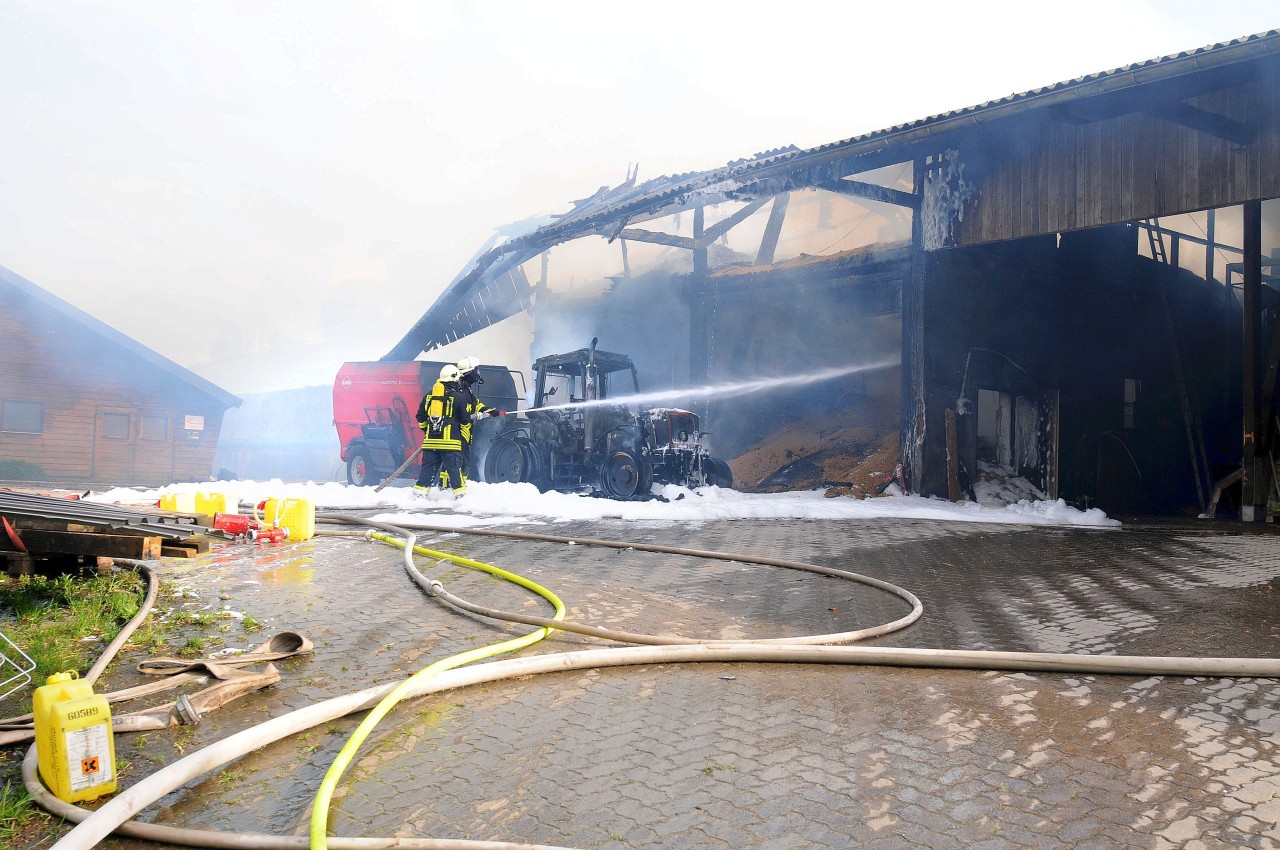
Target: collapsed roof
point(493, 286)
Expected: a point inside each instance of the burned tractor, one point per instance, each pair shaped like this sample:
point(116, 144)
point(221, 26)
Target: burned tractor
point(572, 438)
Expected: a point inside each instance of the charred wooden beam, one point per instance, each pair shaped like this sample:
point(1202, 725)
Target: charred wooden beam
point(773, 229)
point(1152, 96)
point(912, 402)
point(710, 235)
point(720, 228)
point(637, 235)
point(1174, 109)
point(1253, 485)
point(1266, 406)
point(1204, 121)
point(699, 310)
point(871, 191)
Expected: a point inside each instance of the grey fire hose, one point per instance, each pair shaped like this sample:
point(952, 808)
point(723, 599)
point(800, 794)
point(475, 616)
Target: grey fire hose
point(436, 588)
point(114, 814)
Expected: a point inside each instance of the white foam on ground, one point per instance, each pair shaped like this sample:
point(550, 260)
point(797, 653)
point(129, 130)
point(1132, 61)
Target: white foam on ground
point(493, 504)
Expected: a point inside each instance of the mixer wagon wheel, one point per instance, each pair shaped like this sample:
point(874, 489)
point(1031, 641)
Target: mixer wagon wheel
point(360, 471)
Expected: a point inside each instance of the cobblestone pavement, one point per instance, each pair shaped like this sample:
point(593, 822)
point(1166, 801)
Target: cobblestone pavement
point(771, 756)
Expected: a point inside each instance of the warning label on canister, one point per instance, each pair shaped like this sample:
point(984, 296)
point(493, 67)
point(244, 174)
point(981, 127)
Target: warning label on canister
point(89, 757)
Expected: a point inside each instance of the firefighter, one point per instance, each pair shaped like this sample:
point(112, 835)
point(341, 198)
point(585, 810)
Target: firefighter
point(441, 416)
point(469, 376)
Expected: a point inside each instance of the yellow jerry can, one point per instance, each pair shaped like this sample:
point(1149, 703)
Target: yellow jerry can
point(75, 746)
point(297, 515)
point(214, 503)
point(183, 503)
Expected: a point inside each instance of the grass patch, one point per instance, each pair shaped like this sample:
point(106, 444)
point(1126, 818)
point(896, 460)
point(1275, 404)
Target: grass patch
point(15, 806)
point(50, 618)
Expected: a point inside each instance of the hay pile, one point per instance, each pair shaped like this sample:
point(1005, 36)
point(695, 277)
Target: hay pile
point(825, 450)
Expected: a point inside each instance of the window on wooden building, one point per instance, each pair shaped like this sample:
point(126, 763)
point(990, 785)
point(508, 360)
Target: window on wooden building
point(22, 417)
point(155, 427)
point(115, 426)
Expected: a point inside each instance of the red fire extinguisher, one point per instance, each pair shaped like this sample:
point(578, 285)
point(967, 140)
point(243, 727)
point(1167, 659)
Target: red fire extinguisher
point(237, 525)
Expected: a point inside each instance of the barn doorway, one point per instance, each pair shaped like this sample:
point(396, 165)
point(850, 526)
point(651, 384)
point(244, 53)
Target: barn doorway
point(1019, 434)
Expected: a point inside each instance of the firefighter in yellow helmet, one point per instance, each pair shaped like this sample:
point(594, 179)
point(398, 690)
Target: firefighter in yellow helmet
point(441, 416)
point(468, 377)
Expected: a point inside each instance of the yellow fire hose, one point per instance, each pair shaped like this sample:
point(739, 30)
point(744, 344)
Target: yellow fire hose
point(320, 810)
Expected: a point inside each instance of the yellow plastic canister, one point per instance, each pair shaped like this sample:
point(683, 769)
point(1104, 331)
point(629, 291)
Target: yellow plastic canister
point(297, 515)
point(209, 504)
point(75, 747)
point(183, 503)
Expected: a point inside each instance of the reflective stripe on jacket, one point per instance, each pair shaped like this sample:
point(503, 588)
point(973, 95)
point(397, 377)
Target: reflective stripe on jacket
point(471, 406)
point(439, 419)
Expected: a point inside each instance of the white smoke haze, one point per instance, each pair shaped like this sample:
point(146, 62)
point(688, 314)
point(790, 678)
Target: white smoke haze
point(306, 180)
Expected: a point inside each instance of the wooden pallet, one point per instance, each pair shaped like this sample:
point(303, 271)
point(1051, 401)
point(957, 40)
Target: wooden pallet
point(57, 545)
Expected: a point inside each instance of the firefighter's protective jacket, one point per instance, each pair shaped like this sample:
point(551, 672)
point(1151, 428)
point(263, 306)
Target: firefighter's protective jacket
point(471, 407)
point(441, 416)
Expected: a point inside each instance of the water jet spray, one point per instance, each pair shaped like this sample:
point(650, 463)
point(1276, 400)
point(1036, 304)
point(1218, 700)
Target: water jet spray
point(728, 390)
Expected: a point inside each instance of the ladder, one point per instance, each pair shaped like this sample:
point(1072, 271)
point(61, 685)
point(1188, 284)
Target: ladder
point(1156, 239)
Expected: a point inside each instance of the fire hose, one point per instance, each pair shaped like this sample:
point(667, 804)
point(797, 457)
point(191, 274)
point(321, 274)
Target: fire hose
point(114, 814)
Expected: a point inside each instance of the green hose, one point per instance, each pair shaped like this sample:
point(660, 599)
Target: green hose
point(320, 810)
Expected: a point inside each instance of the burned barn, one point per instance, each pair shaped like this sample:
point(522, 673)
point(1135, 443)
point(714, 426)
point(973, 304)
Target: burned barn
point(82, 403)
point(1073, 284)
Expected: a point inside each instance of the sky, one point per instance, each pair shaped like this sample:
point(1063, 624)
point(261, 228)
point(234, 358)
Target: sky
point(260, 192)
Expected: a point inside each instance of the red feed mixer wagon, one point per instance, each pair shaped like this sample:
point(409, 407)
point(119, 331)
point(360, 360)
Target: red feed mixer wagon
point(374, 409)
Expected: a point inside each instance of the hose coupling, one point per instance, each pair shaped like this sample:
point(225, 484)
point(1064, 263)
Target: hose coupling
point(434, 588)
point(186, 711)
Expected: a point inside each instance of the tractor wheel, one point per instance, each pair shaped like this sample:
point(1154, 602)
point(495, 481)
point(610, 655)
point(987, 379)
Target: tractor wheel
point(624, 475)
point(718, 473)
point(360, 471)
point(507, 461)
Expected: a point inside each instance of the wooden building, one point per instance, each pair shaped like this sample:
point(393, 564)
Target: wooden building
point(82, 403)
point(1049, 319)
